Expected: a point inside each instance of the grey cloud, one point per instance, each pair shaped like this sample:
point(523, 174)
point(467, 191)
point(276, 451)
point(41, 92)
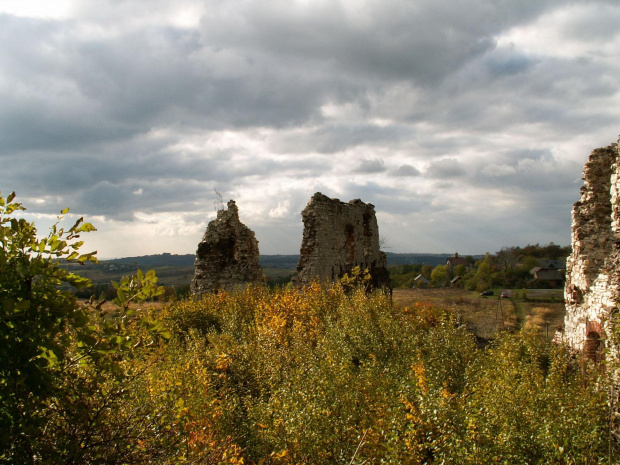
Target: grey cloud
point(503, 90)
point(530, 175)
point(370, 166)
point(512, 64)
point(332, 138)
point(406, 170)
point(596, 21)
point(104, 184)
point(445, 168)
point(388, 199)
point(423, 41)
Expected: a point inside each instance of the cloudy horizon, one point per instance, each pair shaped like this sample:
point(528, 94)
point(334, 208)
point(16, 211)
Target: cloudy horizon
point(466, 124)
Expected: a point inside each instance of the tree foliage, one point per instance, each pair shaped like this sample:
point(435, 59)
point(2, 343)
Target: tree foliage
point(48, 341)
point(34, 312)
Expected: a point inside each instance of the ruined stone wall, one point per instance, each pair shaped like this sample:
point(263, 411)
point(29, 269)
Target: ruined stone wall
point(337, 237)
point(227, 257)
point(593, 268)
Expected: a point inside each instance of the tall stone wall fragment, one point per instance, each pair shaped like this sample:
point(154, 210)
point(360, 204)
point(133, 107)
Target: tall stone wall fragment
point(227, 257)
point(337, 237)
point(593, 268)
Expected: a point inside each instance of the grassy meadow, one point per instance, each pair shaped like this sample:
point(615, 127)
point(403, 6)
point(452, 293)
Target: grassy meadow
point(486, 315)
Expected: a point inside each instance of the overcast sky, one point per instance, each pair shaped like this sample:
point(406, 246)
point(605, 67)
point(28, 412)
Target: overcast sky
point(466, 123)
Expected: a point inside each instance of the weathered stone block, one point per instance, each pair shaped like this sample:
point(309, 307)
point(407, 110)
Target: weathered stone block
point(227, 257)
point(337, 237)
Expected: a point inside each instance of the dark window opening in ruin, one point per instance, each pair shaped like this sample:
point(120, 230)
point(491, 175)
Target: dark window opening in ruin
point(349, 232)
point(575, 295)
point(366, 219)
point(593, 347)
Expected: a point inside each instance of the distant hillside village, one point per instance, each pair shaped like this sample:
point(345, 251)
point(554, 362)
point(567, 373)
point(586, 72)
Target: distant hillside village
point(533, 266)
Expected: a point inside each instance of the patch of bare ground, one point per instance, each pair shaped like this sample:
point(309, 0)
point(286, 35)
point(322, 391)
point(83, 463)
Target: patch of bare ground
point(485, 316)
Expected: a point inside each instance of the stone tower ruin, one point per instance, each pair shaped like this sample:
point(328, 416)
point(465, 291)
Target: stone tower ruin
point(337, 237)
point(593, 269)
point(227, 257)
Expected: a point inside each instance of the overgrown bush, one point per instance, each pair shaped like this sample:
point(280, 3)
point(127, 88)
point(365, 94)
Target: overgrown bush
point(319, 375)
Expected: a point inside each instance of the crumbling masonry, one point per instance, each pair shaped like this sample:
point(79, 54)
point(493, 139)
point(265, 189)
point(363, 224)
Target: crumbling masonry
point(337, 237)
point(227, 257)
point(593, 269)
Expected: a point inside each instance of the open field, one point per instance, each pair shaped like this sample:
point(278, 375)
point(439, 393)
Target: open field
point(483, 315)
point(169, 275)
point(486, 315)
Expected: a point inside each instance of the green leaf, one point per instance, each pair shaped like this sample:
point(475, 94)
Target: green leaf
point(86, 227)
point(64, 211)
point(88, 257)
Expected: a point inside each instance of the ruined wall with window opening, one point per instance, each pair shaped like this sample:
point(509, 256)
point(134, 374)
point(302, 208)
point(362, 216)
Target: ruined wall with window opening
point(593, 268)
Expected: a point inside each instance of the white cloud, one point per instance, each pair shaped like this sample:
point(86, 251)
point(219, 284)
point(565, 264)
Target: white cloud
point(281, 210)
point(57, 9)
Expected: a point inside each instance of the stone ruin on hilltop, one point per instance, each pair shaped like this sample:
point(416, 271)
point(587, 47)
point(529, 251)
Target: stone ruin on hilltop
point(593, 268)
point(227, 257)
point(337, 237)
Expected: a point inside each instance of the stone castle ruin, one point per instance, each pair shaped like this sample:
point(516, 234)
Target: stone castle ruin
point(227, 257)
point(592, 287)
point(337, 237)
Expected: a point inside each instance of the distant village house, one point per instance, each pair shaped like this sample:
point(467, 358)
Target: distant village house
point(454, 261)
point(549, 271)
point(553, 276)
point(421, 281)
